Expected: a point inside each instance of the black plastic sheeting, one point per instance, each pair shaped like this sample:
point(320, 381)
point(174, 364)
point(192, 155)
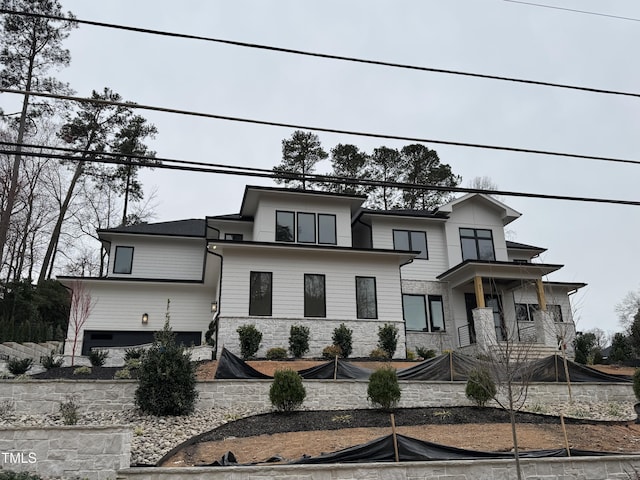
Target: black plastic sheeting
point(453, 367)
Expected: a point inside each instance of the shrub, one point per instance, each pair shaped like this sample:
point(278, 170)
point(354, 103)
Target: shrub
point(388, 338)
point(342, 337)
point(69, 411)
point(50, 361)
point(331, 352)
point(378, 354)
point(425, 353)
point(19, 366)
point(636, 383)
point(411, 355)
point(480, 386)
point(209, 337)
point(298, 340)
point(98, 357)
point(122, 374)
point(167, 377)
point(383, 389)
point(276, 353)
point(133, 353)
point(10, 475)
point(250, 338)
point(287, 392)
point(82, 371)
point(133, 363)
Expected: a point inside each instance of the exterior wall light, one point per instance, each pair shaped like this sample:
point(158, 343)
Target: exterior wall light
point(214, 307)
point(145, 318)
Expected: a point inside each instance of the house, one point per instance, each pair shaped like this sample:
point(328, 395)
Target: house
point(447, 279)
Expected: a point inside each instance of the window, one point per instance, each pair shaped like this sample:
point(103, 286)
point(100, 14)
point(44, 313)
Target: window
point(285, 226)
point(477, 244)
point(233, 236)
point(306, 227)
point(366, 302)
point(556, 312)
point(415, 312)
point(409, 240)
point(124, 260)
point(326, 228)
point(315, 304)
point(260, 286)
point(525, 312)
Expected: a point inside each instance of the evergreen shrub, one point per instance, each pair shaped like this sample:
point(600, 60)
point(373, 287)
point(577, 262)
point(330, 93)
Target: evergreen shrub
point(388, 338)
point(383, 389)
point(298, 340)
point(250, 338)
point(19, 366)
point(276, 353)
point(98, 357)
point(331, 352)
point(636, 383)
point(480, 386)
point(50, 361)
point(343, 338)
point(287, 391)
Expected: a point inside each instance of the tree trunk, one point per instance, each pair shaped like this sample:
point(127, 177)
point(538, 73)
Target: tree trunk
point(514, 434)
point(126, 194)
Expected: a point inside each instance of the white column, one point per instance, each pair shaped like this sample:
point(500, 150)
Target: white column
point(545, 328)
point(485, 328)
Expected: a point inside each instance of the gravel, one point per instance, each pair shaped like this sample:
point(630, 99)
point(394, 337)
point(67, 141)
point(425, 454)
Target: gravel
point(154, 436)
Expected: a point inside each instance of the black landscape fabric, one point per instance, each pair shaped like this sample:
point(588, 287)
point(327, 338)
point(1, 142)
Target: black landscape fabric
point(344, 371)
point(231, 367)
point(452, 367)
point(551, 369)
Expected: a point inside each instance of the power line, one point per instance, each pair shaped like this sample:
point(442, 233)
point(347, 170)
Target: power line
point(185, 165)
point(324, 55)
point(574, 10)
point(319, 129)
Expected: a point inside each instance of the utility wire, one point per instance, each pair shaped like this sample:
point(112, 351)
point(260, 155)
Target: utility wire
point(264, 173)
point(318, 129)
point(574, 10)
point(323, 55)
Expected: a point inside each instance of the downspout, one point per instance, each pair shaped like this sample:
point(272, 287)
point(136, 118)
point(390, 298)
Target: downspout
point(215, 321)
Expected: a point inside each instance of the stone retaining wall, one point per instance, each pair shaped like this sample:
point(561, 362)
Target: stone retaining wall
point(45, 396)
point(68, 452)
point(587, 468)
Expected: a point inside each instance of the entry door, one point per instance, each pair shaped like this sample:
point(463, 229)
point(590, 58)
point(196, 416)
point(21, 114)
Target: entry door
point(495, 304)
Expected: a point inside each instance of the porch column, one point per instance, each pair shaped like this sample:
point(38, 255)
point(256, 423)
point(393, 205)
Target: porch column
point(542, 301)
point(477, 285)
point(545, 328)
point(485, 328)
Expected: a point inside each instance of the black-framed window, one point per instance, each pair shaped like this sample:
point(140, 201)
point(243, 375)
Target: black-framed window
point(233, 236)
point(123, 261)
point(525, 311)
point(556, 312)
point(306, 227)
point(477, 244)
point(414, 311)
point(436, 313)
point(411, 240)
point(366, 298)
point(327, 229)
point(260, 293)
point(285, 226)
point(315, 300)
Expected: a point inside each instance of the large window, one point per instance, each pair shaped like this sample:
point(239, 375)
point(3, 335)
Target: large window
point(366, 302)
point(260, 293)
point(124, 260)
point(410, 240)
point(477, 244)
point(415, 312)
point(315, 304)
point(525, 311)
point(285, 226)
point(306, 227)
point(327, 228)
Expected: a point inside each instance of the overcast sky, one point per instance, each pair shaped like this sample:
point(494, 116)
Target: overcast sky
point(598, 244)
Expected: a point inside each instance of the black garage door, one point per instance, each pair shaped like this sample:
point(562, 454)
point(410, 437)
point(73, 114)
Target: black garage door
point(106, 338)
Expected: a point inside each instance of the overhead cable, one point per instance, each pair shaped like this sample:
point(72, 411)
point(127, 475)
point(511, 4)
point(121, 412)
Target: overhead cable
point(319, 129)
point(323, 55)
point(574, 10)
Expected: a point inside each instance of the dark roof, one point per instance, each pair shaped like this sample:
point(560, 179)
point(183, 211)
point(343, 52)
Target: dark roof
point(523, 246)
point(231, 216)
point(193, 227)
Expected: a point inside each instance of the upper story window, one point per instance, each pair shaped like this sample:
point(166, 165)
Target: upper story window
point(123, 260)
point(410, 240)
point(233, 236)
point(260, 293)
point(477, 244)
point(305, 227)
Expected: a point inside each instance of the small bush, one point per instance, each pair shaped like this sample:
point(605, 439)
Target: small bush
point(122, 374)
point(383, 389)
point(82, 371)
point(276, 353)
point(98, 357)
point(287, 392)
point(10, 475)
point(19, 366)
point(378, 354)
point(69, 411)
point(411, 355)
point(133, 353)
point(331, 352)
point(250, 338)
point(50, 361)
point(133, 363)
point(425, 353)
point(343, 337)
point(298, 340)
point(636, 383)
point(388, 339)
point(480, 386)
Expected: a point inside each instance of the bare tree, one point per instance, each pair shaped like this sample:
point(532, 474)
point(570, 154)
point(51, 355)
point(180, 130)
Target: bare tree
point(81, 307)
point(627, 308)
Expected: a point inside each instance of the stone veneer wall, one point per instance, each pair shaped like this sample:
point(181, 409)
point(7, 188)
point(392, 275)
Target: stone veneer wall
point(586, 468)
point(44, 396)
point(95, 453)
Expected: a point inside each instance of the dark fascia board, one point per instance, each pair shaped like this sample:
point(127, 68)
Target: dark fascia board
point(500, 263)
point(384, 213)
point(228, 218)
point(572, 285)
point(522, 246)
point(102, 233)
point(63, 279)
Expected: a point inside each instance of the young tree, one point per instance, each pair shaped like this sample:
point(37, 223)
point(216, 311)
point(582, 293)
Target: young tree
point(584, 345)
point(31, 47)
point(349, 161)
point(300, 154)
point(621, 348)
point(634, 333)
point(81, 307)
point(627, 308)
point(422, 167)
point(385, 167)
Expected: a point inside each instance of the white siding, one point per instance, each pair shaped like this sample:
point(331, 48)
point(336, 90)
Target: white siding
point(419, 269)
point(265, 217)
point(161, 257)
point(244, 228)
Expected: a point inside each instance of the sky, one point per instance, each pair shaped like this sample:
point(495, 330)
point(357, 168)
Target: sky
point(596, 242)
